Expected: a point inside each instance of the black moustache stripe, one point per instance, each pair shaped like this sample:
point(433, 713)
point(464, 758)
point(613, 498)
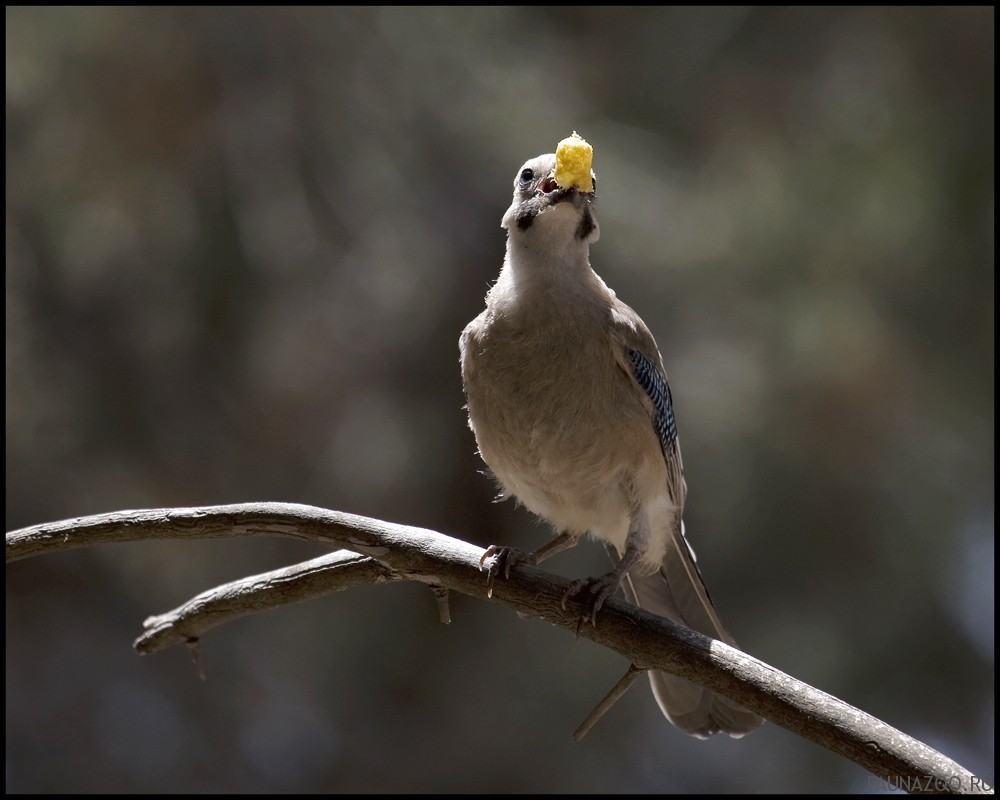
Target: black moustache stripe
point(586, 226)
point(526, 217)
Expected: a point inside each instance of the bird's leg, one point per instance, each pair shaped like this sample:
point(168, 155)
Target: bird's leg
point(502, 558)
point(597, 590)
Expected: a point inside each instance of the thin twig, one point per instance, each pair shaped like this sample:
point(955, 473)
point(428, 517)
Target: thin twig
point(187, 623)
point(612, 697)
point(443, 606)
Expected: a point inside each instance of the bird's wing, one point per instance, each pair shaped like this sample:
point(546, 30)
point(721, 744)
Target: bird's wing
point(676, 590)
point(639, 358)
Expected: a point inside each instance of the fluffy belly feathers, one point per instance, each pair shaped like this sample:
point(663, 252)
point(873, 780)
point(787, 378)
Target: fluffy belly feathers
point(573, 453)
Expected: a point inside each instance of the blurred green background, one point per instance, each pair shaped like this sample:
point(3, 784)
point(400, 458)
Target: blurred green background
point(241, 245)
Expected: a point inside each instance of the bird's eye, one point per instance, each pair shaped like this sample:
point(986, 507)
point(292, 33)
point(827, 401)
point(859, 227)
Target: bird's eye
point(526, 176)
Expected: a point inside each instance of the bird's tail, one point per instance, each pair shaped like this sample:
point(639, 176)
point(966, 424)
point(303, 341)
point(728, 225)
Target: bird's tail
point(676, 591)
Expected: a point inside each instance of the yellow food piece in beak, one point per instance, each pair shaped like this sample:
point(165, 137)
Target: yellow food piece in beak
point(574, 158)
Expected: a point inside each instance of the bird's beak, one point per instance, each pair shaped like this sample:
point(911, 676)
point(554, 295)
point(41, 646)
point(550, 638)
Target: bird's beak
point(549, 186)
point(554, 193)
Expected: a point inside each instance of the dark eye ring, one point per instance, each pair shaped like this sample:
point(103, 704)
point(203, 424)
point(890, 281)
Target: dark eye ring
point(526, 175)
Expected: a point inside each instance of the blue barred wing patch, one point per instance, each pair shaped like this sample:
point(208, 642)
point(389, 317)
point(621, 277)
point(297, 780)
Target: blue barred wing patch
point(654, 384)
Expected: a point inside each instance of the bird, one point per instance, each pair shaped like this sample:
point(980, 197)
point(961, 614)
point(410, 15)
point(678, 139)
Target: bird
point(572, 414)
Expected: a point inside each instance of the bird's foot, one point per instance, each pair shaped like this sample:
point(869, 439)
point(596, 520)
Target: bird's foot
point(498, 559)
point(593, 592)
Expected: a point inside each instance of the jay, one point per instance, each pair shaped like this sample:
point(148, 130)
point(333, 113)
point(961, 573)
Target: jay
point(572, 413)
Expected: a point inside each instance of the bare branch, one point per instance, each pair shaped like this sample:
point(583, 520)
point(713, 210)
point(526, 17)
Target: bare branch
point(612, 697)
point(189, 622)
point(444, 607)
point(649, 642)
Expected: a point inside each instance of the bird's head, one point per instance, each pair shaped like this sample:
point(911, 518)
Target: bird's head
point(543, 207)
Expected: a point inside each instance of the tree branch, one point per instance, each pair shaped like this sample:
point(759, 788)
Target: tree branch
point(189, 622)
point(649, 642)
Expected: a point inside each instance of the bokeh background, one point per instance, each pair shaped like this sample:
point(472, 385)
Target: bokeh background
point(241, 245)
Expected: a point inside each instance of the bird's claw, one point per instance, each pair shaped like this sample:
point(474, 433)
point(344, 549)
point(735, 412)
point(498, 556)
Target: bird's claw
point(595, 592)
point(497, 559)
